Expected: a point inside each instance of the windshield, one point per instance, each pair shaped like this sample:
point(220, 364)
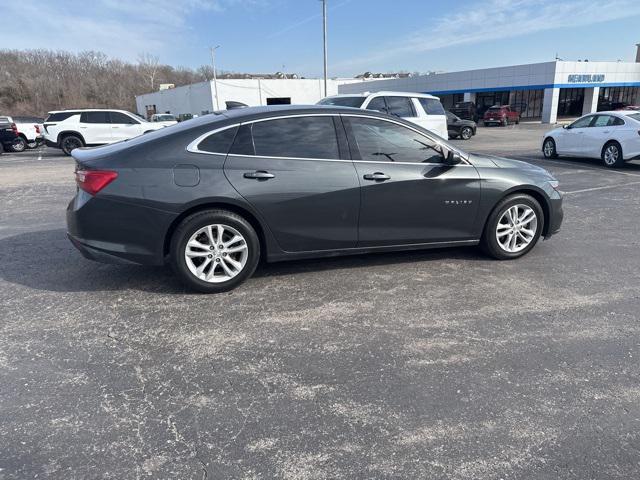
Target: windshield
point(355, 102)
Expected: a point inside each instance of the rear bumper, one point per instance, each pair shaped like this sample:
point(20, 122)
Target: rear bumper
point(110, 231)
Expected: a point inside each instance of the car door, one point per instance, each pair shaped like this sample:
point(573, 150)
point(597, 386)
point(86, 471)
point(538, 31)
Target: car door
point(95, 127)
point(293, 172)
point(408, 194)
point(569, 141)
point(123, 126)
point(435, 119)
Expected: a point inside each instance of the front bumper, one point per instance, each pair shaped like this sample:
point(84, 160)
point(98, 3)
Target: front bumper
point(556, 216)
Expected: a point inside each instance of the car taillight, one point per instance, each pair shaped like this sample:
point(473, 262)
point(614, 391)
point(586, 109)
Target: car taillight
point(92, 181)
point(14, 127)
point(37, 128)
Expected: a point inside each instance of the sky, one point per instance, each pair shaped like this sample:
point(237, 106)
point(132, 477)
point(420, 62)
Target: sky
point(265, 36)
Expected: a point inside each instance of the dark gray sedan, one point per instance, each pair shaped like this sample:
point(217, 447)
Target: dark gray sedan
point(214, 195)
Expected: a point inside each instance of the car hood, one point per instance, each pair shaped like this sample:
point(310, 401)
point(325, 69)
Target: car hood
point(481, 160)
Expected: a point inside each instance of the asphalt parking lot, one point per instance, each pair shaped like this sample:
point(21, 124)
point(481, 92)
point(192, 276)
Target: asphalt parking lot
point(435, 364)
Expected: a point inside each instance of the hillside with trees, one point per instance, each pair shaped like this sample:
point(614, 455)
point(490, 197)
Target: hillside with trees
point(33, 82)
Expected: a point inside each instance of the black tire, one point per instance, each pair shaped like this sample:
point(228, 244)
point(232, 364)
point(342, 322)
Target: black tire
point(466, 133)
point(611, 155)
point(19, 145)
point(551, 151)
point(70, 143)
point(489, 242)
point(518, 121)
point(189, 226)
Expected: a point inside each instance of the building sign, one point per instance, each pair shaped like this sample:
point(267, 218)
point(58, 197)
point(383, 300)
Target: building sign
point(586, 78)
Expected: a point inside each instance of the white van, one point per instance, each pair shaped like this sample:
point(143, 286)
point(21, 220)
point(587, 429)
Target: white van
point(420, 108)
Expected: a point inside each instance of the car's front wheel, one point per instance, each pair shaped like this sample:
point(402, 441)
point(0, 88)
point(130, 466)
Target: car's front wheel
point(466, 133)
point(214, 251)
point(549, 148)
point(612, 155)
point(513, 228)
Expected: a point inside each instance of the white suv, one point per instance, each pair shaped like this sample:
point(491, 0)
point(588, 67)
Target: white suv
point(69, 129)
point(419, 108)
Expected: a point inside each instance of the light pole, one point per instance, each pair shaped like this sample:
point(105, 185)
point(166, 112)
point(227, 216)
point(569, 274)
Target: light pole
point(324, 40)
point(215, 78)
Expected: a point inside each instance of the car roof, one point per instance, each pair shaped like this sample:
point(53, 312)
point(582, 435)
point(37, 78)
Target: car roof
point(623, 113)
point(80, 110)
point(383, 93)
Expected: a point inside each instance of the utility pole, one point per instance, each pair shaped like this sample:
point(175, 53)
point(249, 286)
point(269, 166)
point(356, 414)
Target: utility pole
point(324, 39)
point(215, 78)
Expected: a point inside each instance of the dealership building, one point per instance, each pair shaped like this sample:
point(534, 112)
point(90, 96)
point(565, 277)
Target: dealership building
point(545, 91)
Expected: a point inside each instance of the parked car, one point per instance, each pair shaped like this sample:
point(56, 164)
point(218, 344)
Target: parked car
point(8, 134)
point(214, 195)
point(70, 129)
point(419, 108)
point(31, 131)
point(465, 111)
point(501, 115)
point(459, 128)
point(165, 119)
point(614, 137)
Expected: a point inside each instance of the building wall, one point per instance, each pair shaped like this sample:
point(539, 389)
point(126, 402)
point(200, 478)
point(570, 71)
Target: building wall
point(200, 98)
point(193, 99)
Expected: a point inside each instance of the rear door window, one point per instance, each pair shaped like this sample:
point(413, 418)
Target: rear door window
point(94, 117)
point(122, 119)
point(378, 104)
point(432, 106)
point(296, 137)
point(400, 106)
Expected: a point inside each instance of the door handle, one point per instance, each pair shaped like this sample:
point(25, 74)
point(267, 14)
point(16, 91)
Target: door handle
point(607, 131)
point(259, 175)
point(376, 176)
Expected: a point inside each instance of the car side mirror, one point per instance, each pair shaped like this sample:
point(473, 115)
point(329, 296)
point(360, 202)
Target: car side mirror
point(453, 158)
point(567, 127)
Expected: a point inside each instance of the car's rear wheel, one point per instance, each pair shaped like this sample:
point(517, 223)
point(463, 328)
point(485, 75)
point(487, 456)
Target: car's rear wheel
point(612, 155)
point(466, 133)
point(214, 251)
point(19, 145)
point(513, 228)
point(70, 143)
point(549, 148)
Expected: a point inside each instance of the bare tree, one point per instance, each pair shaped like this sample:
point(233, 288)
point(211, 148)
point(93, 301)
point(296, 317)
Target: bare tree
point(148, 66)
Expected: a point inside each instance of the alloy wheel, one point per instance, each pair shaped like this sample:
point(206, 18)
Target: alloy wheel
point(517, 228)
point(70, 143)
point(549, 148)
point(611, 155)
point(216, 253)
point(466, 133)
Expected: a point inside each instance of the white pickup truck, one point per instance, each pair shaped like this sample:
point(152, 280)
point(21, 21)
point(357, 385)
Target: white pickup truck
point(30, 132)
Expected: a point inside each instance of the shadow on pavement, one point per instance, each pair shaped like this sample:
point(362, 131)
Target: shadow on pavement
point(46, 260)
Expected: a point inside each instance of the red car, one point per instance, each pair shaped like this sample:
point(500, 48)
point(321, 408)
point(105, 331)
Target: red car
point(501, 115)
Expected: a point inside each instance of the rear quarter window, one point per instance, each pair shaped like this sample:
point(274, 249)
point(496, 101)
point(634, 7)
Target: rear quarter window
point(219, 142)
point(60, 116)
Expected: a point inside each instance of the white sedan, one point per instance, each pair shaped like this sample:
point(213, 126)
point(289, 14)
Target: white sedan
point(613, 137)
